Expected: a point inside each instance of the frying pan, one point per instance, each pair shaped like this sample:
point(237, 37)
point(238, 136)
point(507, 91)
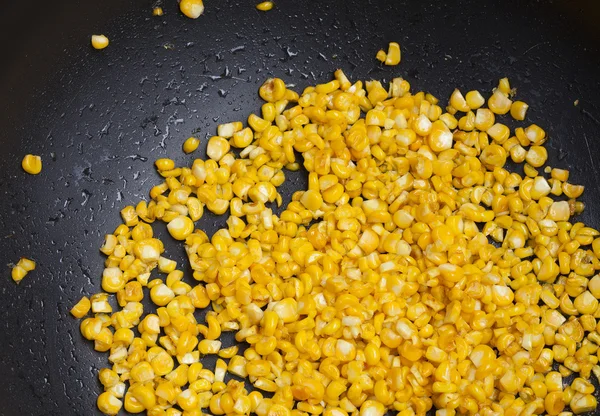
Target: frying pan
point(100, 118)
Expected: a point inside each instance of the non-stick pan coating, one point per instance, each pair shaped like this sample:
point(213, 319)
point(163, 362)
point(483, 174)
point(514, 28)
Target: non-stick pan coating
point(100, 118)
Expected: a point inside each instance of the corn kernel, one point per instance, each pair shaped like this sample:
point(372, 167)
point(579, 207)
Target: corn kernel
point(393, 55)
point(109, 404)
point(499, 103)
point(32, 164)
point(99, 41)
point(474, 99)
point(265, 6)
point(81, 308)
point(180, 227)
point(191, 144)
point(191, 8)
point(518, 109)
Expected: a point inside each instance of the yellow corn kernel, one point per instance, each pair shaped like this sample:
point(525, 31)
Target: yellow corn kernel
point(393, 55)
point(129, 215)
point(131, 404)
point(535, 134)
point(108, 378)
point(161, 294)
point(187, 399)
point(243, 138)
point(109, 404)
point(214, 329)
point(372, 408)
point(166, 265)
point(422, 125)
point(18, 272)
point(100, 304)
point(81, 308)
point(474, 99)
point(572, 191)
point(582, 386)
point(484, 119)
point(586, 303)
point(554, 403)
point(258, 124)
point(99, 41)
point(499, 132)
point(209, 346)
point(103, 340)
point(376, 93)
point(458, 101)
point(381, 56)
point(312, 200)
point(113, 280)
point(191, 8)
point(504, 86)
point(220, 369)
point(227, 130)
point(228, 352)
point(265, 6)
point(499, 102)
point(537, 156)
point(493, 156)
point(554, 381)
point(162, 363)
point(191, 144)
point(467, 123)
point(142, 372)
point(164, 164)
point(32, 164)
point(518, 109)
point(180, 227)
point(157, 11)
point(582, 403)
point(560, 174)
point(559, 211)
point(272, 90)
point(440, 138)
point(217, 147)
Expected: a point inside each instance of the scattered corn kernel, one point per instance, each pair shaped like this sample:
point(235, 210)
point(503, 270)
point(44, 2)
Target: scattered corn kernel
point(265, 6)
point(21, 269)
point(99, 41)
point(191, 8)
point(81, 308)
point(393, 55)
point(191, 144)
point(381, 56)
point(32, 164)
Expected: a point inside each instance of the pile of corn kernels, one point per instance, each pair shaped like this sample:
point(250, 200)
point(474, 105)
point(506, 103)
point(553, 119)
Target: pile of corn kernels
point(416, 272)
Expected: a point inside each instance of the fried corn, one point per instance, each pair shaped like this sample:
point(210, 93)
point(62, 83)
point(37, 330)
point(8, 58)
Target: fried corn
point(414, 272)
point(191, 8)
point(265, 6)
point(99, 41)
point(21, 269)
point(191, 144)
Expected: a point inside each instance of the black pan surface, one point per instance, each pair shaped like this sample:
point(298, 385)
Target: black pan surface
point(100, 118)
